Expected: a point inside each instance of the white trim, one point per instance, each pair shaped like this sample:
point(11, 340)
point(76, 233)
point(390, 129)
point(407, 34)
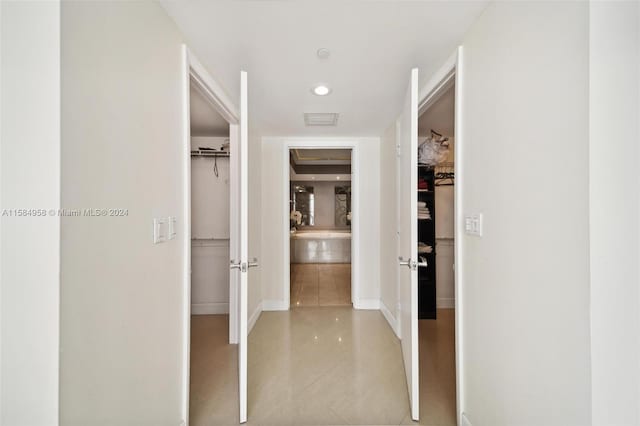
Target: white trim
point(458, 235)
point(186, 235)
point(445, 303)
point(441, 80)
point(391, 319)
point(211, 90)
point(213, 308)
point(438, 84)
point(323, 143)
point(367, 304)
point(192, 70)
point(253, 318)
point(464, 421)
point(274, 305)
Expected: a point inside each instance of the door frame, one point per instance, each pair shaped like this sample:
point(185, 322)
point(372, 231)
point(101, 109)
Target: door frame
point(324, 143)
point(192, 69)
point(451, 73)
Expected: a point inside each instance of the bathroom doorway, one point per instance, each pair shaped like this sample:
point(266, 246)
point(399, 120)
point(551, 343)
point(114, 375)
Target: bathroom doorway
point(320, 216)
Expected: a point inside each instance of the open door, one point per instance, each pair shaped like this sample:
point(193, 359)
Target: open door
point(408, 240)
point(241, 265)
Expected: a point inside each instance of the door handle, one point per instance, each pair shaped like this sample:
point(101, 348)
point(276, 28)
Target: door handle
point(243, 266)
point(412, 264)
point(403, 262)
point(407, 262)
point(235, 265)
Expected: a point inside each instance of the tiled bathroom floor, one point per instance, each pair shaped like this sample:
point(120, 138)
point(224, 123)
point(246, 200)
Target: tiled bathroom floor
point(320, 284)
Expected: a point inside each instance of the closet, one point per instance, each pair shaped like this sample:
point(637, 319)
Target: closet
point(209, 225)
point(436, 179)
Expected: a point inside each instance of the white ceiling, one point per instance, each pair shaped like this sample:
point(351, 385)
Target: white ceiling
point(373, 47)
point(205, 120)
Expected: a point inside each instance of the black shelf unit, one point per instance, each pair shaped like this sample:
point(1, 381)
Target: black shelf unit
point(427, 235)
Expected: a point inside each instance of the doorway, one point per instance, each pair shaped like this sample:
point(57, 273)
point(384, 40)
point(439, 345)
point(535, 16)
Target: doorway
point(212, 393)
point(320, 227)
point(347, 148)
point(214, 297)
point(436, 242)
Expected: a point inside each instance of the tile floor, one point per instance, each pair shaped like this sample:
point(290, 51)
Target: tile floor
point(320, 284)
point(321, 366)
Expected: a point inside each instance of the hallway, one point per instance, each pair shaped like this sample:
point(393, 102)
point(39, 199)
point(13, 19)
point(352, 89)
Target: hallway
point(324, 366)
point(320, 284)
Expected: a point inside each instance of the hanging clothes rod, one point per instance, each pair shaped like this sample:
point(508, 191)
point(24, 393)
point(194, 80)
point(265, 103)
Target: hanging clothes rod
point(208, 153)
point(444, 174)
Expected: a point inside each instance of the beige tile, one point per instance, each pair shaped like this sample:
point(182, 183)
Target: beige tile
point(324, 284)
point(321, 366)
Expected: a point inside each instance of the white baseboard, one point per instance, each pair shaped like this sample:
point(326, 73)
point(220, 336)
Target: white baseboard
point(465, 420)
point(390, 318)
point(215, 308)
point(274, 305)
point(445, 303)
point(253, 318)
point(367, 304)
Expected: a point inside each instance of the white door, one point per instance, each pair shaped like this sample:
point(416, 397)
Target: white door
point(408, 240)
point(241, 266)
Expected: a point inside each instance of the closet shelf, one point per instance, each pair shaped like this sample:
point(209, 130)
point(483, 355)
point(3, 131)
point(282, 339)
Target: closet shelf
point(207, 153)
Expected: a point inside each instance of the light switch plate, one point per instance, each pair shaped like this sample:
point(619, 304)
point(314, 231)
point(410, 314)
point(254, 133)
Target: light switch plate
point(473, 224)
point(172, 227)
point(159, 230)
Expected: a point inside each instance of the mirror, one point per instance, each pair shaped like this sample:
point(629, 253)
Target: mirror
point(303, 202)
point(343, 205)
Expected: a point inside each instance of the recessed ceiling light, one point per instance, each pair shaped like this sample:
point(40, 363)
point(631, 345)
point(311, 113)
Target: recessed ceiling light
point(323, 53)
point(338, 177)
point(321, 90)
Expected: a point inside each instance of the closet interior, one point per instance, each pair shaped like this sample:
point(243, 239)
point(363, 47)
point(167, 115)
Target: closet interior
point(436, 281)
point(210, 284)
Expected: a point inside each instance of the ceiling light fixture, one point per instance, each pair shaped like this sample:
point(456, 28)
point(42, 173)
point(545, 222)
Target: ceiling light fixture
point(321, 90)
point(323, 53)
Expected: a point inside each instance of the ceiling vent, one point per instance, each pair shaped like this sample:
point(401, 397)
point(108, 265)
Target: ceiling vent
point(321, 118)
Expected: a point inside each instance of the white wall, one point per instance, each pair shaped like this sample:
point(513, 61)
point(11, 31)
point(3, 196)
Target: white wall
point(210, 202)
point(526, 163)
point(121, 296)
point(30, 179)
point(614, 47)
point(274, 171)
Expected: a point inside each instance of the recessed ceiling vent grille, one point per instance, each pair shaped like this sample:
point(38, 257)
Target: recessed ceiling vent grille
point(321, 119)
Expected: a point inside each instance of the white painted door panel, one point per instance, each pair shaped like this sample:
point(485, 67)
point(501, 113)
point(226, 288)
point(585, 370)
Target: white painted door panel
point(240, 265)
point(408, 240)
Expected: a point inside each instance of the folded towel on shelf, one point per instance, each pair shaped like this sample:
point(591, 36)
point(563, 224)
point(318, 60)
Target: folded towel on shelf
point(424, 213)
point(424, 248)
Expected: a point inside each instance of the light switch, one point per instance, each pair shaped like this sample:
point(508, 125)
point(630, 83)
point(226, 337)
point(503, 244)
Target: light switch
point(159, 230)
point(172, 227)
